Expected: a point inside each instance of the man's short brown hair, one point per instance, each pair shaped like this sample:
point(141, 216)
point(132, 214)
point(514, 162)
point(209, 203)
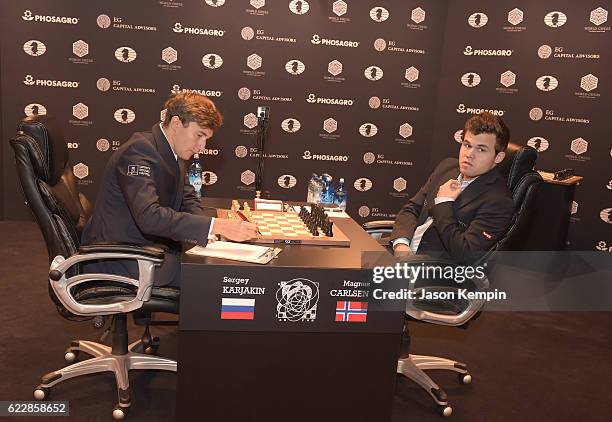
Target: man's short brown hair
point(193, 107)
point(486, 122)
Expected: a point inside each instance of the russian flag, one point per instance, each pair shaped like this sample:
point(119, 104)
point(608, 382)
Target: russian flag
point(351, 311)
point(237, 308)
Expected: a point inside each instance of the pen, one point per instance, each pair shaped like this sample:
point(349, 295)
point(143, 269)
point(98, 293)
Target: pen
point(244, 217)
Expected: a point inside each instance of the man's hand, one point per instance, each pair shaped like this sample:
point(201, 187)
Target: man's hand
point(450, 189)
point(402, 250)
point(236, 230)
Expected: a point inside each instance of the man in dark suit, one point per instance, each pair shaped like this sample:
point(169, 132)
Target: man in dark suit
point(145, 198)
point(465, 206)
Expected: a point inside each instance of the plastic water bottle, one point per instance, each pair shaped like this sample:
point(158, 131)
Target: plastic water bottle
point(310, 197)
point(327, 196)
point(195, 175)
point(340, 195)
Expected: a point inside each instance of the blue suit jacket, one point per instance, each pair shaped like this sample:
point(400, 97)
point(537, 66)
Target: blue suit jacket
point(145, 199)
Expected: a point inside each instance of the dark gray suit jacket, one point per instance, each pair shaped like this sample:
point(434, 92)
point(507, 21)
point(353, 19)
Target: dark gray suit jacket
point(464, 229)
point(145, 199)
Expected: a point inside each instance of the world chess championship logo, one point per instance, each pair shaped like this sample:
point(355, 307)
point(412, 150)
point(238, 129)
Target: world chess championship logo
point(547, 83)
point(286, 181)
point(368, 130)
point(363, 184)
point(295, 67)
point(379, 14)
point(373, 73)
point(478, 20)
point(215, 3)
point(34, 48)
point(209, 178)
point(458, 136)
point(417, 15)
point(405, 130)
point(411, 74)
point(212, 61)
point(169, 55)
point(470, 79)
point(125, 54)
point(80, 48)
point(124, 115)
point(540, 144)
point(297, 300)
point(35, 109)
point(339, 8)
point(555, 19)
point(299, 7)
point(515, 16)
point(80, 111)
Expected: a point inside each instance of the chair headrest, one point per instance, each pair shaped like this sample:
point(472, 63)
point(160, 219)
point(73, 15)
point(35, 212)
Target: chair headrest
point(519, 160)
point(50, 151)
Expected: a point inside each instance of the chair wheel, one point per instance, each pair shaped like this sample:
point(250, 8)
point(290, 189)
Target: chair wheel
point(71, 356)
point(120, 413)
point(445, 410)
point(464, 378)
point(152, 347)
point(151, 350)
point(41, 393)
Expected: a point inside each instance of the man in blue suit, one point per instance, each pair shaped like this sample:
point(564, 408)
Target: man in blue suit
point(145, 198)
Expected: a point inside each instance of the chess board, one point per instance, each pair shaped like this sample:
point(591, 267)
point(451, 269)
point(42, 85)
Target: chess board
point(287, 227)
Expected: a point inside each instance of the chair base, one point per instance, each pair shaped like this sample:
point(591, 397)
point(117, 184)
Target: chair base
point(119, 359)
point(414, 366)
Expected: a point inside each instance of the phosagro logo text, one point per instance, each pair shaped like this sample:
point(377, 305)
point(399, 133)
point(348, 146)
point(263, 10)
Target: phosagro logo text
point(324, 157)
point(313, 99)
point(317, 40)
point(462, 108)
point(29, 16)
point(29, 80)
point(179, 28)
point(469, 51)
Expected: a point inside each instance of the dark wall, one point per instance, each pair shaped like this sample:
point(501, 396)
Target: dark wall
point(4, 140)
point(90, 50)
point(366, 144)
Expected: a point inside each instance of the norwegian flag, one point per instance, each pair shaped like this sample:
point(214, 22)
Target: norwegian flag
point(351, 311)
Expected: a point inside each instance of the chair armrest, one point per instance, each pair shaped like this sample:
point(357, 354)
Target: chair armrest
point(480, 284)
point(147, 259)
point(378, 224)
point(150, 251)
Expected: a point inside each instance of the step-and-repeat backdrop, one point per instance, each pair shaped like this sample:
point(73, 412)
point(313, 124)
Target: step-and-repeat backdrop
point(546, 68)
point(372, 91)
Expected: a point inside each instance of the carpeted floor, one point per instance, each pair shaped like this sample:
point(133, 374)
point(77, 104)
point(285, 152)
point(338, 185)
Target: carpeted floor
point(530, 366)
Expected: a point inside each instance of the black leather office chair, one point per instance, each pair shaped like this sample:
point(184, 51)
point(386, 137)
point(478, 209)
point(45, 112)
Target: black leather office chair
point(524, 184)
point(61, 211)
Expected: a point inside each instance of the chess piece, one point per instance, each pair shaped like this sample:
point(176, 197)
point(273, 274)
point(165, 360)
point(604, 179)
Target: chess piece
point(247, 210)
